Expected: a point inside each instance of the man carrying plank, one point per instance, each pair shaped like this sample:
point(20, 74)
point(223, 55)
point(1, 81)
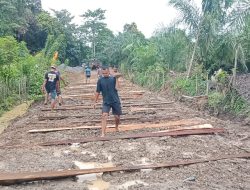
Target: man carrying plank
point(108, 85)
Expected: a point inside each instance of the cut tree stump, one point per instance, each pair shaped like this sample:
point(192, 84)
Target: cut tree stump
point(15, 178)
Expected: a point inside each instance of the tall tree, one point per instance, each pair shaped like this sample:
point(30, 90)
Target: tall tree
point(72, 51)
point(208, 23)
point(93, 26)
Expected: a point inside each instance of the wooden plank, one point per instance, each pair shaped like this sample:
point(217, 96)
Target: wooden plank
point(63, 108)
point(129, 136)
point(136, 136)
point(138, 109)
point(122, 128)
point(138, 113)
point(15, 178)
point(134, 126)
point(59, 117)
point(86, 121)
point(82, 85)
point(93, 93)
point(94, 121)
point(129, 108)
point(86, 86)
point(194, 97)
point(91, 97)
point(124, 104)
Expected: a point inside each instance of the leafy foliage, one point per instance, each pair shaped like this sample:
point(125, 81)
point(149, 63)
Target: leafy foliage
point(18, 65)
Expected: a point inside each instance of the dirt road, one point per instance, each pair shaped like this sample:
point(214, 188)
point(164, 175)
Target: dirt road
point(144, 112)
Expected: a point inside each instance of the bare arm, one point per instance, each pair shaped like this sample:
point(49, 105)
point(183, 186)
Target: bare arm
point(65, 83)
point(96, 96)
point(96, 99)
point(43, 85)
point(117, 84)
point(57, 86)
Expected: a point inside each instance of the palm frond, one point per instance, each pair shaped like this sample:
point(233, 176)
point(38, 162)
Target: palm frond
point(190, 13)
point(242, 57)
point(238, 16)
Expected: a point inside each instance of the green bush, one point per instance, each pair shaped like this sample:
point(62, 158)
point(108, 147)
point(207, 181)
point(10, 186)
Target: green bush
point(16, 64)
point(216, 101)
point(187, 86)
point(232, 102)
point(235, 103)
point(9, 102)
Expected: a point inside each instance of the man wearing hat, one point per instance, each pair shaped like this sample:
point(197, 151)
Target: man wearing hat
point(50, 85)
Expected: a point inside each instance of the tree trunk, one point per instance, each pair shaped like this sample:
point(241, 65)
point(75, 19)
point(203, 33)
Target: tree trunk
point(192, 58)
point(235, 66)
point(194, 51)
point(94, 49)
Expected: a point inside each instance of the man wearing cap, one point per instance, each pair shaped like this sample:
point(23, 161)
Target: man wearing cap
point(51, 82)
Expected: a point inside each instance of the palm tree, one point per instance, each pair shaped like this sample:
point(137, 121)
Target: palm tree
point(204, 24)
point(238, 20)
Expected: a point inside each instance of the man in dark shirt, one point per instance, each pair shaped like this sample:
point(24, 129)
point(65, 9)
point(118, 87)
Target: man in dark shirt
point(108, 85)
point(51, 81)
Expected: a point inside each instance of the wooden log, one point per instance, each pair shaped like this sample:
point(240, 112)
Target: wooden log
point(124, 128)
point(15, 178)
point(136, 136)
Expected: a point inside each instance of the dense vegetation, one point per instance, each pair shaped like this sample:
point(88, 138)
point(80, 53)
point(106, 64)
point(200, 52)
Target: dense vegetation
point(217, 36)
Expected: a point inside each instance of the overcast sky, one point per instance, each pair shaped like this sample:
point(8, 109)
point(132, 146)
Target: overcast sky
point(147, 14)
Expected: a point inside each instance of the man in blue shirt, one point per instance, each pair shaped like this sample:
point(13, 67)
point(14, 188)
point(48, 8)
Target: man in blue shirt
point(88, 74)
point(108, 85)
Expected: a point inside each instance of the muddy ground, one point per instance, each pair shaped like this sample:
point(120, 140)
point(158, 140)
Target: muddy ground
point(225, 174)
point(243, 85)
